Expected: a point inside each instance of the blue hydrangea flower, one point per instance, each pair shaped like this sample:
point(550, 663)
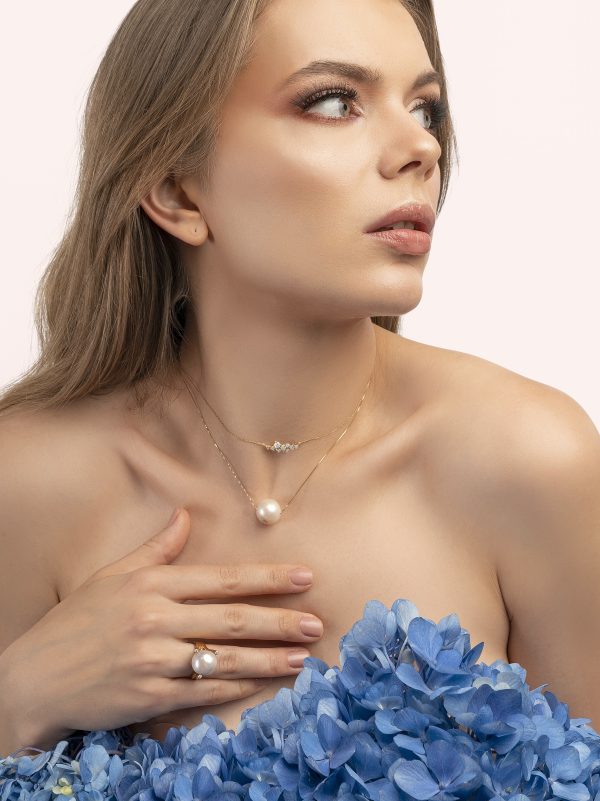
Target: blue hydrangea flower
point(410, 714)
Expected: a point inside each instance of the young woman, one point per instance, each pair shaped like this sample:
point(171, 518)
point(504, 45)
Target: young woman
point(220, 333)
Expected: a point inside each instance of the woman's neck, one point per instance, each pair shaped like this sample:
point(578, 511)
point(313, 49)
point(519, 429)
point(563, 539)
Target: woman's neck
point(285, 383)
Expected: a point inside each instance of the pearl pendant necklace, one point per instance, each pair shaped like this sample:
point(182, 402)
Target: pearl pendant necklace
point(269, 511)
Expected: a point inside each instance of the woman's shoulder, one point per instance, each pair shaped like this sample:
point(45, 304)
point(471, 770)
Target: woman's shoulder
point(73, 442)
point(514, 412)
point(492, 431)
point(61, 468)
point(477, 391)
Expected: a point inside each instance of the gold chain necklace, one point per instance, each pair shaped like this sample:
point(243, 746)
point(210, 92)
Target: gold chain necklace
point(268, 511)
point(275, 447)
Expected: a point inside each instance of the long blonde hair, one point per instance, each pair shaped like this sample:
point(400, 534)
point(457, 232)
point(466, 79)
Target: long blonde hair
point(110, 307)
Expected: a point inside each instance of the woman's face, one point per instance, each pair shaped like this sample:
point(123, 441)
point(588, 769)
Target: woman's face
point(294, 190)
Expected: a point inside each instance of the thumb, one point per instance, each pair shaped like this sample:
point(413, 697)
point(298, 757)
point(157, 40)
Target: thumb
point(160, 549)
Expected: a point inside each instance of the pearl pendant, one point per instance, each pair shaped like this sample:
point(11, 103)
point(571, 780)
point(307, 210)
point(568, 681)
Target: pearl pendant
point(204, 662)
point(268, 511)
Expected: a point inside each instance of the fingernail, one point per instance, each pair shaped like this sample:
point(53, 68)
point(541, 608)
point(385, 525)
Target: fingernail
point(312, 626)
point(301, 576)
point(296, 658)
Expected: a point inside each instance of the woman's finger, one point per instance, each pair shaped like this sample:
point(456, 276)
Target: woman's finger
point(232, 661)
point(168, 695)
point(238, 621)
point(199, 582)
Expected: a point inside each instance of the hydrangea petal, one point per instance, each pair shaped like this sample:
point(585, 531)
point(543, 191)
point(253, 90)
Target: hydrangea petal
point(414, 778)
point(571, 792)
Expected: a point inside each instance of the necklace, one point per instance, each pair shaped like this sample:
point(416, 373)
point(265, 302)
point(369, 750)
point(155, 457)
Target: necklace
point(275, 447)
point(268, 511)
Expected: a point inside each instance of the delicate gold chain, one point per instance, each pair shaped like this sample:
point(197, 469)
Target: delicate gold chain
point(269, 447)
point(230, 466)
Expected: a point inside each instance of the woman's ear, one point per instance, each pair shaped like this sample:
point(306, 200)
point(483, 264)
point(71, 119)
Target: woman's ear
point(172, 207)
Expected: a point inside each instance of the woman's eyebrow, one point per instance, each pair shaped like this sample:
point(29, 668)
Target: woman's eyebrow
point(356, 72)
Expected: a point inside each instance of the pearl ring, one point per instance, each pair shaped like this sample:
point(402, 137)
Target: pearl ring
point(204, 660)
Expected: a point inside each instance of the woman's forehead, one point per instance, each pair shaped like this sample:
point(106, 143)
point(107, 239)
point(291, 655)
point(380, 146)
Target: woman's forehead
point(290, 36)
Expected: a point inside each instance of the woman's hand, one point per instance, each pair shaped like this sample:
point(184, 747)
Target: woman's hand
point(116, 651)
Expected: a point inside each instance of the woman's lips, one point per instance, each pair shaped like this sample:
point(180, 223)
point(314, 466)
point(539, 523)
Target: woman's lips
point(405, 240)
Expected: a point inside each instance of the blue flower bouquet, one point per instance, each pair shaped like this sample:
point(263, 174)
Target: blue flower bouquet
point(410, 715)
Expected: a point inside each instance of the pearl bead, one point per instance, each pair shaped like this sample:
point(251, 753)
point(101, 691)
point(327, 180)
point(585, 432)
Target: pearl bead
point(268, 511)
point(204, 662)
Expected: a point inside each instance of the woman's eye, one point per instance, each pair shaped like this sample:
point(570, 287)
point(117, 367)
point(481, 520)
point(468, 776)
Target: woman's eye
point(342, 98)
point(426, 109)
point(333, 102)
point(437, 109)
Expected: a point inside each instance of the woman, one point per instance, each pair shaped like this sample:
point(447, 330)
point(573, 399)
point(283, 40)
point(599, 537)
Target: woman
point(220, 290)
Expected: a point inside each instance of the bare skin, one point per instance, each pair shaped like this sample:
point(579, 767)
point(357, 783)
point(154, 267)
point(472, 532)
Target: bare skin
point(368, 522)
point(477, 496)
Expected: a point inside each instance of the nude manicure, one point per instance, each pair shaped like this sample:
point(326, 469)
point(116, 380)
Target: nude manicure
point(301, 576)
point(311, 626)
point(296, 658)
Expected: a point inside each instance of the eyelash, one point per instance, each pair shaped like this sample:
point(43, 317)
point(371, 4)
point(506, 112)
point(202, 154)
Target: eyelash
point(437, 107)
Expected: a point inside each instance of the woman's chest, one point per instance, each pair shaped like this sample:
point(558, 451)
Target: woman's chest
point(383, 541)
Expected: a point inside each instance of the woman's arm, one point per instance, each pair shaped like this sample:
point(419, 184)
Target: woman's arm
point(27, 590)
point(548, 545)
point(28, 511)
